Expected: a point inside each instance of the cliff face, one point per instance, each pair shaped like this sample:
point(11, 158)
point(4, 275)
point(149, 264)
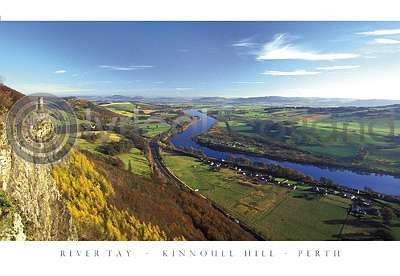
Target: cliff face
point(38, 211)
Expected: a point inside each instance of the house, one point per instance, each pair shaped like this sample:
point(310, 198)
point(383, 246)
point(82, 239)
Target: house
point(315, 189)
point(365, 202)
point(357, 210)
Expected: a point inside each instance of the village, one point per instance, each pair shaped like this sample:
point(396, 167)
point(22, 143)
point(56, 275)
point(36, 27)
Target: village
point(363, 203)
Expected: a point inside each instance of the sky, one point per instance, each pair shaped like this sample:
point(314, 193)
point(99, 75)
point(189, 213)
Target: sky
point(194, 59)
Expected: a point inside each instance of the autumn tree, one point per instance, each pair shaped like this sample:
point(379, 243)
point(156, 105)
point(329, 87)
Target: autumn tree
point(130, 166)
point(388, 215)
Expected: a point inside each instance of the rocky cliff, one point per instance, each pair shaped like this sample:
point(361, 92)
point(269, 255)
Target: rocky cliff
point(36, 211)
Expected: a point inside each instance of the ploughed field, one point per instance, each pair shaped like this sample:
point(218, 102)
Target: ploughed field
point(366, 138)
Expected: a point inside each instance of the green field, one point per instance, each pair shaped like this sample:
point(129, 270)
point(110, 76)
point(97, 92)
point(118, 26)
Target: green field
point(273, 211)
point(139, 163)
point(140, 115)
point(102, 137)
point(337, 133)
point(153, 129)
point(123, 108)
point(129, 109)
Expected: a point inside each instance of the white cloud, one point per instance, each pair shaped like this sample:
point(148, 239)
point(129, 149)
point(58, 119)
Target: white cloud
point(245, 43)
point(141, 66)
point(60, 72)
point(337, 67)
point(381, 32)
point(125, 68)
point(291, 73)
point(386, 41)
point(183, 88)
point(248, 82)
point(381, 86)
point(280, 49)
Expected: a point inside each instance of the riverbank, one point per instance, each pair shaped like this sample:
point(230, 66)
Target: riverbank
point(324, 185)
point(300, 157)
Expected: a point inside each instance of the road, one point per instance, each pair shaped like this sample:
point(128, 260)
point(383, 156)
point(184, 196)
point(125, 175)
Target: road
point(158, 161)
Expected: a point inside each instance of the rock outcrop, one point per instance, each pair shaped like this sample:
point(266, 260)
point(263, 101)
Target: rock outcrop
point(38, 211)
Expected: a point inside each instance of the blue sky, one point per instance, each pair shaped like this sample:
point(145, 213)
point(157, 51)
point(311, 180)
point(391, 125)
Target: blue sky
point(231, 59)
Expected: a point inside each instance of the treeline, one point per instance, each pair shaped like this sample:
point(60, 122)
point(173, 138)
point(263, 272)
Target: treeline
point(117, 147)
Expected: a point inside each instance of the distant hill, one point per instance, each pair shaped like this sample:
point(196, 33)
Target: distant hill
point(268, 100)
point(297, 101)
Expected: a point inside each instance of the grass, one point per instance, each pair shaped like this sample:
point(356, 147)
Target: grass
point(141, 119)
point(153, 129)
point(103, 137)
point(128, 108)
point(298, 218)
point(140, 164)
point(121, 112)
point(275, 212)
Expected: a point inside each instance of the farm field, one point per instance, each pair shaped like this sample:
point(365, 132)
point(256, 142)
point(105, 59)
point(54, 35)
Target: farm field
point(140, 114)
point(368, 137)
point(275, 212)
point(153, 129)
point(139, 163)
point(102, 137)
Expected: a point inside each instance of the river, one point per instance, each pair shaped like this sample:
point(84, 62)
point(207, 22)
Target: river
point(385, 184)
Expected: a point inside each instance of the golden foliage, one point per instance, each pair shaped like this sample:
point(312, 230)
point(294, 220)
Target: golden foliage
point(88, 195)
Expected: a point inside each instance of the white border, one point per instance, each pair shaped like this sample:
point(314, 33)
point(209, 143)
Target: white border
point(220, 10)
point(43, 258)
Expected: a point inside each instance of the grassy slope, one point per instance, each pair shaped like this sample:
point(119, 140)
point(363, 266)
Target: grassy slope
point(140, 164)
point(104, 137)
